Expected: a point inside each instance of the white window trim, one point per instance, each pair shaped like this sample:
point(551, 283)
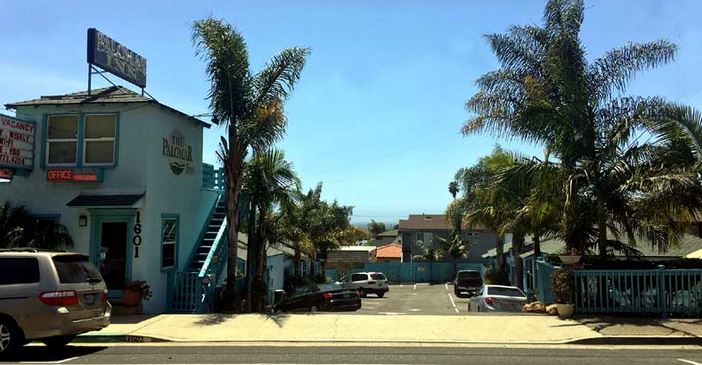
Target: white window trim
point(173, 242)
point(49, 141)
point(100, 139)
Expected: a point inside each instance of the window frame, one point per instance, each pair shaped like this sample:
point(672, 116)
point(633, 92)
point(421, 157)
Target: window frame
point(100, 139)
point(164, 218)
point(80, 143)
point(48, 141)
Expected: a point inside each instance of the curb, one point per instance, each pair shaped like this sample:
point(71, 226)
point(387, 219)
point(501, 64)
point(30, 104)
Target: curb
point(639, 340)
point(116, 339)
point(612, 340)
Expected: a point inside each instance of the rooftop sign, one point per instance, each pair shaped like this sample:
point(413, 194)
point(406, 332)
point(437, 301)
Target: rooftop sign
point(115, 58)
point(16, 143)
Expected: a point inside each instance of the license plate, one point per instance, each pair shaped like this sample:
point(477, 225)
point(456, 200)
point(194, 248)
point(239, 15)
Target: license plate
point(89, 299)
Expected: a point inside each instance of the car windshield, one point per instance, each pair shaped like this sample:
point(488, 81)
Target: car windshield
point(507, 292)
point(378, 276)
point(74, 269)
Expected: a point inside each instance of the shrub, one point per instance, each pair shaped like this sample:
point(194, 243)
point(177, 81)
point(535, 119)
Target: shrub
point(563, 285)
point(139, 286)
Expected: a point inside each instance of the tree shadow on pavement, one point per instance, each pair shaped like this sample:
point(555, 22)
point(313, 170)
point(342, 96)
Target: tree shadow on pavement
point(213, 319)
point(638, 325)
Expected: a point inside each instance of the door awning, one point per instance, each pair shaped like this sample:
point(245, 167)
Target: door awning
point(86, 200)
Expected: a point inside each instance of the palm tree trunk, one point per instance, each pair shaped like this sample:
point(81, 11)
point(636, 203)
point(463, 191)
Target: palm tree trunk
point(537, 246)
point(601, 227)
point(500, 254)
point(251, 244)
point(233, 169)
point(517, 245)
point(261, 260)
point(297, 259)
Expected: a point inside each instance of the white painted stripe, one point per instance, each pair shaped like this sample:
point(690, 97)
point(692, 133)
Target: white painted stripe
point(452, 302)
point(446, 286)
point(415, 287)
point(689, 362)
point(49, 362)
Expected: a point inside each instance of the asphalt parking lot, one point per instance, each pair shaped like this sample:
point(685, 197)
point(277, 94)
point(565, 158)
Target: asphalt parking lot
point(408, 299)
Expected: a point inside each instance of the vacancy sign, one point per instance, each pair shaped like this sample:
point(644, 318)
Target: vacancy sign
point(16, 143)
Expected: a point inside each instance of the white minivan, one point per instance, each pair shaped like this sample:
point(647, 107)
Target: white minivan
point(365, 283)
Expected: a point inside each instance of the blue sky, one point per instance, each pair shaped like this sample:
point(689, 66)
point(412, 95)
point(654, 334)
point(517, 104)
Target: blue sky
point(377, 112)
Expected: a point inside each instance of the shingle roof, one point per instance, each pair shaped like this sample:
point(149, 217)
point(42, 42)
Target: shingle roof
point(430, 222)
point(107, 95)
point(389, 233)
point(391, 251)
point(382, 241)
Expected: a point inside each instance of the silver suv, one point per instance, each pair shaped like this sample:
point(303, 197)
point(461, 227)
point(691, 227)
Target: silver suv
point(365, 282)
point(49, 296)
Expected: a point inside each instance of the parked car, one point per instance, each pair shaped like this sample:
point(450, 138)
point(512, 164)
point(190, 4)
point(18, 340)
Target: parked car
point(365, 283)
point(497, 298)
point(319, 297)
point(467, 282)
point(49, 296)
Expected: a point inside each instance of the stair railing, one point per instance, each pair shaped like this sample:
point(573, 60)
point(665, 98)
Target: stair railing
point(212, 268)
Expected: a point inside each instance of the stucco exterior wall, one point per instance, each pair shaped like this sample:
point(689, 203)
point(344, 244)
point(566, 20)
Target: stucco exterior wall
point(141, 168)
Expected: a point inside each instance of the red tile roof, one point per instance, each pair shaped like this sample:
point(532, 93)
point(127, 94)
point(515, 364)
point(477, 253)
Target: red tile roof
point(391, 251)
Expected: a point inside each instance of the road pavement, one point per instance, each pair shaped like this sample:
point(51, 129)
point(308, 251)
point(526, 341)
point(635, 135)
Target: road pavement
point(223, 353)
point(418, 299)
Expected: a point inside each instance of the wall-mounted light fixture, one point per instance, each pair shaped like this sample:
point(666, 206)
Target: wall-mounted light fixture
point(82, 220)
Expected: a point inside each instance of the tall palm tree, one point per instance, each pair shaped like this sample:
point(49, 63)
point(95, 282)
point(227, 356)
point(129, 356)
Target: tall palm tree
point(249, 105)
point(615, 153)
point(453, 188)
point(272, 181)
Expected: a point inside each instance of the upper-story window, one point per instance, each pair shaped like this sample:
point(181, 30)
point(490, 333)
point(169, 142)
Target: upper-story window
point(71, 141)
point(62, 140)
point(99, 140)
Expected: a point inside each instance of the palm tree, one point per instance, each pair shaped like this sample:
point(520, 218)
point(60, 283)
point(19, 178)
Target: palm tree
point(615, 155)
point(271, 181)
point(249, 105)
point(376, 228)
point(453, 188)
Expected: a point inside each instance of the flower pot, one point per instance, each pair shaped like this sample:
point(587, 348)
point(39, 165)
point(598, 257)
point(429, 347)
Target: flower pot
point(131, 298)
point(565, 310)
point(570, 259)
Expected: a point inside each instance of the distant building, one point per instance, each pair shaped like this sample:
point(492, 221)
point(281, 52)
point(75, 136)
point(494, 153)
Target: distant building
point(349, 257)
point(384, 238)
point(389, 253)
point(434, 228)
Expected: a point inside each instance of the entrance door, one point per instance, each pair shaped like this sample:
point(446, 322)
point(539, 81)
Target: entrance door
point(112, 255)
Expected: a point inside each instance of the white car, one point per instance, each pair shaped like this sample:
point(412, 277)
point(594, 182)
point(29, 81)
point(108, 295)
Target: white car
point(497, 298)
point(365, 283)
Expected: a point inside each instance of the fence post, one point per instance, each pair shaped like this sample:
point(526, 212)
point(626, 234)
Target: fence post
point(662, 291)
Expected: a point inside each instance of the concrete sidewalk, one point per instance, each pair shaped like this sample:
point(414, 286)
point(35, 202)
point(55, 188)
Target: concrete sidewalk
point(502, 329)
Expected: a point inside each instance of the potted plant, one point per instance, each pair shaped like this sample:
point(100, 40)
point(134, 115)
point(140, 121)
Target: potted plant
point(570, 256)
point(563, 285)
point(134, 292)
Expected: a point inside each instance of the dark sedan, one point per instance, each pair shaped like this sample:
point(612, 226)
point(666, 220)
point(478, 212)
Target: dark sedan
point(319, 297)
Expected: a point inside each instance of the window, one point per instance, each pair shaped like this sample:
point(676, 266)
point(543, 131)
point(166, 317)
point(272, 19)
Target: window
point(99, 139)
point(169, 238)
point(359, 277)
point(378, 277)
point(507, 292)
point(75, 269)
point(19, 270)
point(62, 140)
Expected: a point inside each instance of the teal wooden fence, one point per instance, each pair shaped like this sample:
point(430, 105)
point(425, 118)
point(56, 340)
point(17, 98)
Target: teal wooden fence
point(420, 272)
point(664, 292)
point(543, 280)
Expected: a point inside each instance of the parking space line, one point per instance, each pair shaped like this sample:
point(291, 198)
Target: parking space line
point(446, 286)
point(415, 287)
point(49, 362)
point(453, 303)
point(689, 362)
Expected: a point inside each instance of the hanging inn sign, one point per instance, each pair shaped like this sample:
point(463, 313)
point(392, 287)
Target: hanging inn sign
point(16, 144)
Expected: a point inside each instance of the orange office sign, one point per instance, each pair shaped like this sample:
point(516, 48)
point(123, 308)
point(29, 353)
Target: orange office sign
point(71, 175)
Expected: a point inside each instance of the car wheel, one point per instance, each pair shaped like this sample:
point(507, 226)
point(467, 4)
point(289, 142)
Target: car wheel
point(58, 342)
point(381, 294)
point(361, 293)
point(314, 309)
point(10, 336)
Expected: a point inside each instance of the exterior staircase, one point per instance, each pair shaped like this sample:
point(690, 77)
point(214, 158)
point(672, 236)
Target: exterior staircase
point(208, 237)
point(195, 287)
